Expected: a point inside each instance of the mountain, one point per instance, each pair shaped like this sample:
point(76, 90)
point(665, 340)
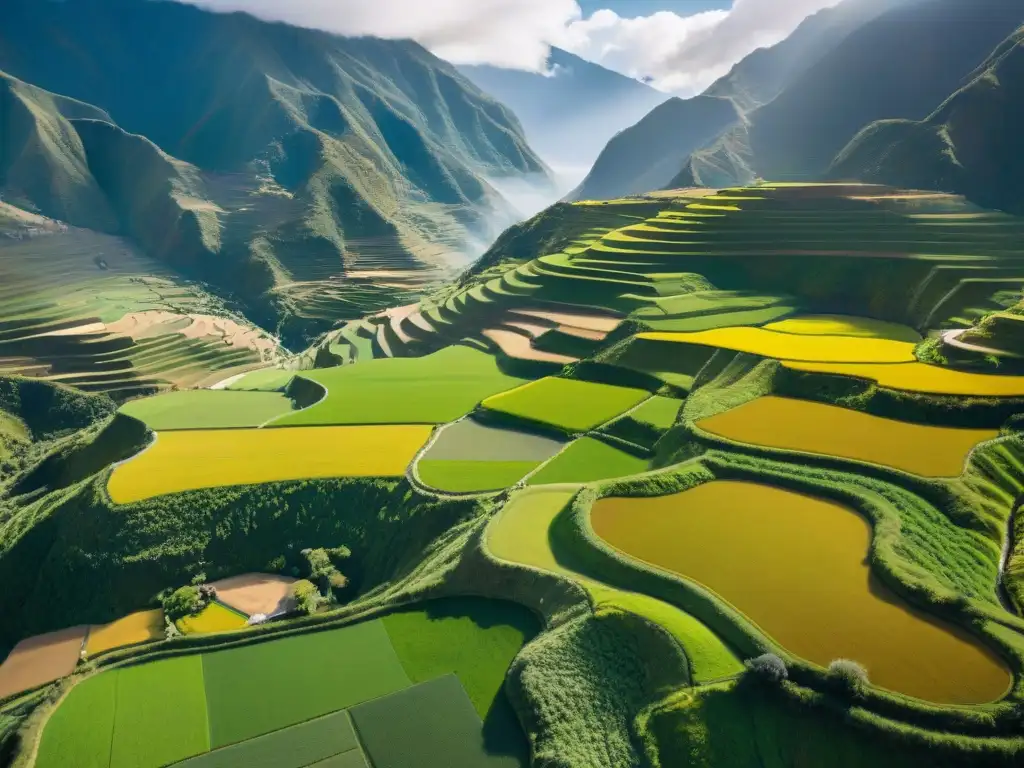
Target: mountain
point(571, 112)
point(972, 144)
point(649, 154)
point(301, 161)
point(897, 66)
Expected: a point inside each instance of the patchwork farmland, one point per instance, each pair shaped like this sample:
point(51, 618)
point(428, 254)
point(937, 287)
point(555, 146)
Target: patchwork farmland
point(691, 469)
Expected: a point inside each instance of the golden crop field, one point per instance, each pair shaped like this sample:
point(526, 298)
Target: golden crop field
point(921, 377)
point(795, 564)
point(134, 628)
point(213, 618)
point(844, 325)
point(791, 346)
point(800, 425)
point(187, 460)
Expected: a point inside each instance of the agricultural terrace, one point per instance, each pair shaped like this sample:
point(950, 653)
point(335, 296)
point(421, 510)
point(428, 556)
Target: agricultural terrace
point(800, 425)
point(468, 456)
point(268, 704)
point(844, 325)
point(922, 378)
point(521, 534)
point(434, 389)
point(587, 460)
point(659, 412)
point(265, 380)
point(792, 346)
point(207, 409)
point(253, 593)
point(213, 618)
point(188, 460)
point(571, 406)
point(797, 568)
point(139, 627)
point(41, 659)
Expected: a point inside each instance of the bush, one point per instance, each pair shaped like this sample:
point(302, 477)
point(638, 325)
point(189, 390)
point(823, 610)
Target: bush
point(847, 676)
point(183, 602)
point(307, 596)
point(322, 570)
point(768, 668)
point(276, 565)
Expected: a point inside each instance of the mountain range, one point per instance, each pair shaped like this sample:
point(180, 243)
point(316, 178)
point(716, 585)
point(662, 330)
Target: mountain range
point(279, 165)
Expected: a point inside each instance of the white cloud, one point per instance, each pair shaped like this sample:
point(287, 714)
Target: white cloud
point(685, 54)
point(506, 33)
point(677, 53)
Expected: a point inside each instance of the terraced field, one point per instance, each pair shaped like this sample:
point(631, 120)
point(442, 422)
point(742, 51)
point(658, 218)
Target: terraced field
point(688, 449)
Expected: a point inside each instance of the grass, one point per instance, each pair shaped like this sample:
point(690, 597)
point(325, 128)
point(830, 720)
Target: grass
point(139, 627)
point(438, 725)
point(188, 460)
point(801, 425)
point(428, 390)
point(521, 534)
point(790, 346)
point(160, 714)
point(472, 476)
point(207, 409)
point(261, 688)
point(845, 325)
point(660, 412)
point(213, 618)
point(469, 440)
point(266, 380)
point(797, 568)
point(298, 746)
point(81, 726)
point(923, 378)
point(570, 405)
point(587, 460)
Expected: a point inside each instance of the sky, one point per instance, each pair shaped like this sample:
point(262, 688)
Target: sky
point(678, 46)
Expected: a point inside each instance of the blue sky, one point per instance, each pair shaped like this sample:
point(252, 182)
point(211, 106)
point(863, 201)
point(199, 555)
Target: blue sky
point(632, 8)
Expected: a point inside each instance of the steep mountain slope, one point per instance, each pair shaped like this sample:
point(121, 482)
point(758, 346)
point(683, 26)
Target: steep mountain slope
point(570, 113)
point(320, 159)
point(650, 153)
point(972, 144)
point(900, 65)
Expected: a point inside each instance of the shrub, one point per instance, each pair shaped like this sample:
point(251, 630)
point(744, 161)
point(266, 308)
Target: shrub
point(847, 676)
point(171, 630)
point(307, 596)
point(768, 668)
point(322, 571)
point(276, 565)
point(182, 602)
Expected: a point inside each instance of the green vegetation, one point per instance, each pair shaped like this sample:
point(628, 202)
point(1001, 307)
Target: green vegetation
point(299, 746)
point(289, 687)
point(207, 409)
point(567, 404)
point(429, 390)
point(439, 729)
point(472, 476)
point(82, 725)
point(587, 460)
point(266, 380)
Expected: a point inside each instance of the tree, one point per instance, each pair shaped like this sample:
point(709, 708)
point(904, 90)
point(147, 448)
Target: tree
point(768, 668)
point(847, 676)
point(307, 596)
point(182, 602)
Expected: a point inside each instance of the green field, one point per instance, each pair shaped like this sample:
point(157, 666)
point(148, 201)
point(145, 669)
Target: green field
point(587, 460)
point(438, 725)
point(428, 390)
point(207, 409)
point(660, 412)
point(299, 746)
point(472, 476)
point(260, 688)
point(266, 380)
point(83, 726)
point(570, 405)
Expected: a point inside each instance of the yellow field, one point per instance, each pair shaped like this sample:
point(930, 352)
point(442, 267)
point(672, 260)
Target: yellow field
point(795, 565)
point(186, 460)
point(791, 346)
point(134, 628)
point(213, 618)
point(844, 325)
point(799, 425)
point(924, 378)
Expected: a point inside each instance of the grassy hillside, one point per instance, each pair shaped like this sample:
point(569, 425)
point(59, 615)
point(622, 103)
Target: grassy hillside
point(314, 161)
point(649, 154)
point(969, 145)
point(897, 66)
